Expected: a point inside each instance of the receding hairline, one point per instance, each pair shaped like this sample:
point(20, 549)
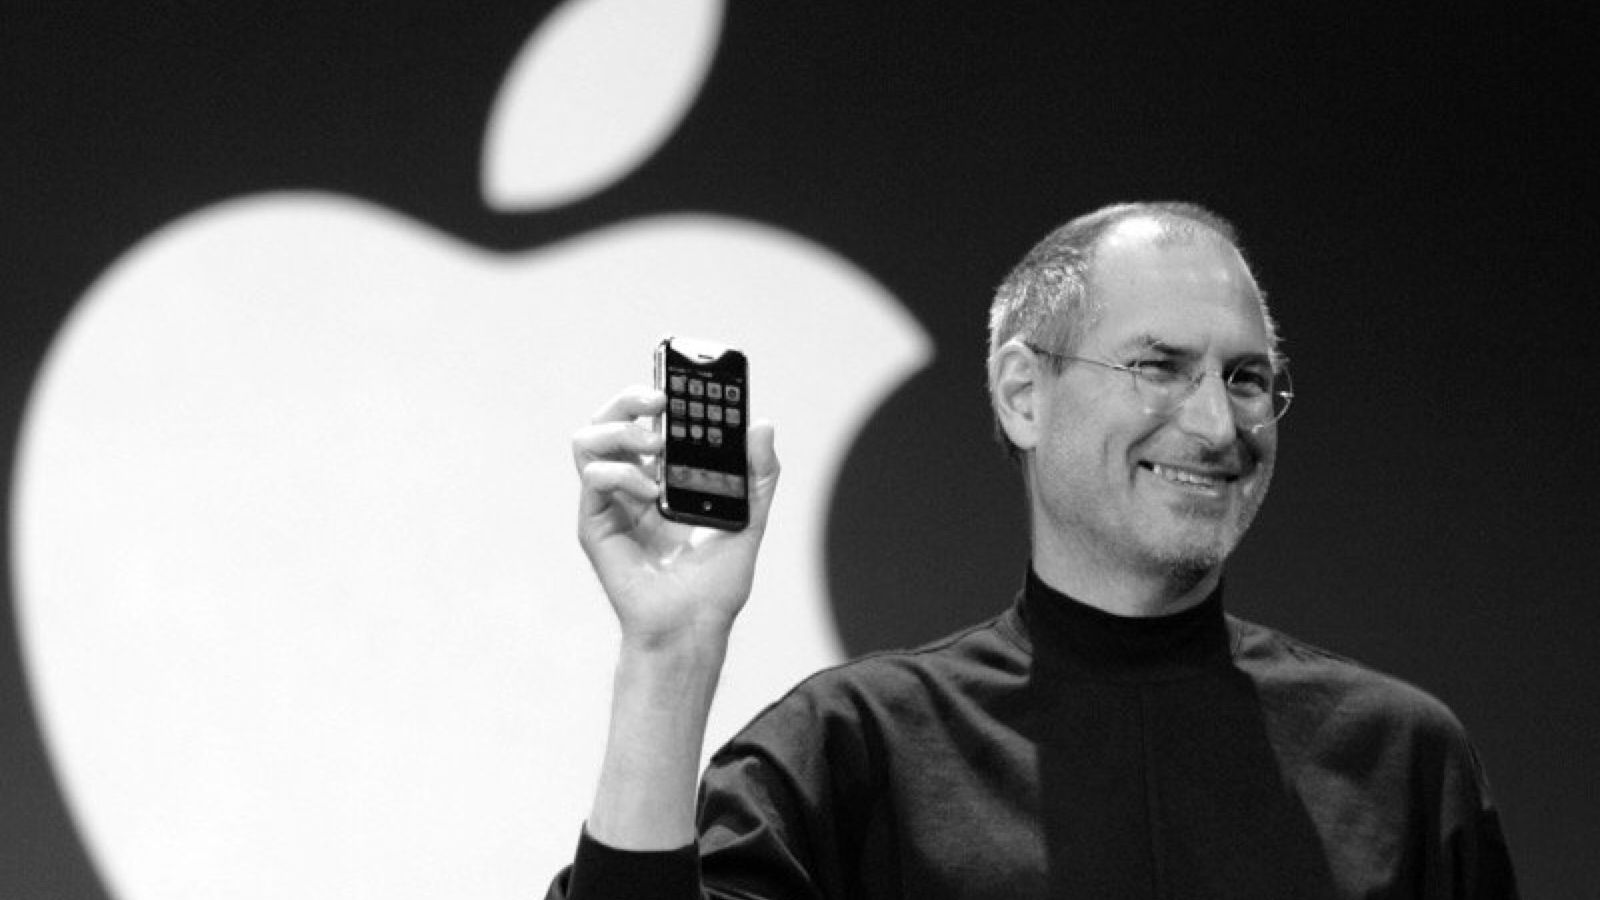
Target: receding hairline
point(1075, 245)
point(1164, 228)
point(1164, 225)
point(1162, 232)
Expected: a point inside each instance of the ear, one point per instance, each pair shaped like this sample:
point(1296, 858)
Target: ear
point(1015, 376)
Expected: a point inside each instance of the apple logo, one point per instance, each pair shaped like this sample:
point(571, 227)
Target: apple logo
point(297, 583)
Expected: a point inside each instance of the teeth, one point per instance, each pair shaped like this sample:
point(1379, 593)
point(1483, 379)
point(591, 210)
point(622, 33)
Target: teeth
point(1183, 476)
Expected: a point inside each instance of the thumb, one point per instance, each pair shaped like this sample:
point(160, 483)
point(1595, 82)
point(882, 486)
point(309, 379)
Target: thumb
point(764, 471)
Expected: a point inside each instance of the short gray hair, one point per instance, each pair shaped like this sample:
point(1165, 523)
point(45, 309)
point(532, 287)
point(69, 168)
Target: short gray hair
point(1045, 300)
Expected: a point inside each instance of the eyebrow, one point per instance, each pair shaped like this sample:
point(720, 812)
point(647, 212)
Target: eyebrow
point(1148, 341)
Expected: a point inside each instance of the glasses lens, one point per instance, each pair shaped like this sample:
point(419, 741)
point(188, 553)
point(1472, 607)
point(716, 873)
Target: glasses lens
point(1260, 397)
point(1282, 392)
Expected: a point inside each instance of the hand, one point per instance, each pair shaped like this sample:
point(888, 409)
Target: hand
point(667, 582)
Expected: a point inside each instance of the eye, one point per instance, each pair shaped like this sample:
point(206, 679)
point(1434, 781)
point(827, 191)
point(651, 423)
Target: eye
point(1250, 381)
point(1158, 369)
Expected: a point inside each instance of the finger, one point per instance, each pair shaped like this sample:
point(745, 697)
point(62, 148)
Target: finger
point(606, 482)
point(764, 471)
point(625, 440)
point(630, 403)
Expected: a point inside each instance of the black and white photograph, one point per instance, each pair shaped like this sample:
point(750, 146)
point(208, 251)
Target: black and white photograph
point(696, 448)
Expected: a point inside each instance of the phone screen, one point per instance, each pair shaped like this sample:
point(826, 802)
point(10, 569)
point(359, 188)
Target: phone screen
point(704, 473)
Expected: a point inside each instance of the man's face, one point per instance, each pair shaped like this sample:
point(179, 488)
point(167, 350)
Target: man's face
point(1118, 487)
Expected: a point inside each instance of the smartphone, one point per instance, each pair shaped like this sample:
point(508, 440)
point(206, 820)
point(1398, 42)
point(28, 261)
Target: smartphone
point(704, 471)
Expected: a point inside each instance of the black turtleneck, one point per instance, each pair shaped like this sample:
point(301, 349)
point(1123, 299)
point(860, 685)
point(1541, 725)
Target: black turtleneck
point(1062, 751)
point(1097, 645)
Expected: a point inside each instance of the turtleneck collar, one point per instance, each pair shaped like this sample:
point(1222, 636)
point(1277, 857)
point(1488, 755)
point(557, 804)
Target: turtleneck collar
point(1073, 639)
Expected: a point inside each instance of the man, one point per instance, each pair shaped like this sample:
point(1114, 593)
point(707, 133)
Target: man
point(1114, 734)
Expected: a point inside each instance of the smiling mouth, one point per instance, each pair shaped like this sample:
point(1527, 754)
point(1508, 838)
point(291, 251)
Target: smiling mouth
point(1191, 478)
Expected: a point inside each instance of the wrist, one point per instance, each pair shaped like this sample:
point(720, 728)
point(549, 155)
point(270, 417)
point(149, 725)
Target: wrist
point(674, 675)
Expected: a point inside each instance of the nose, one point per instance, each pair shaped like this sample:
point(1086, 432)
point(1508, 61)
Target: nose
point(1208, 412)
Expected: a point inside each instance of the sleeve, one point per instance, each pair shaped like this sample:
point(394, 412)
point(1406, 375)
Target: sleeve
point(600, 872)
point(1477, 860)
point(771, 822)
point(791, 808)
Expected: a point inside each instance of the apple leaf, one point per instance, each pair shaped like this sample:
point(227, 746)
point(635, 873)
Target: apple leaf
point(597, 88)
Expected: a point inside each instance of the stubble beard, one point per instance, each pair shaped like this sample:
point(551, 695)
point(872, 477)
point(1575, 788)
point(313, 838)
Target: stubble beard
point(1181, 560)
point(1186, 565)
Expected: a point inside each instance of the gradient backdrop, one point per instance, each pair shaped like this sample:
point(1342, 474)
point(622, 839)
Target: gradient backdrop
point(1415, 187)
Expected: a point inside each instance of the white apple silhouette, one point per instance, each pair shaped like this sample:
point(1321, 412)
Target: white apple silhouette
point(298, 587)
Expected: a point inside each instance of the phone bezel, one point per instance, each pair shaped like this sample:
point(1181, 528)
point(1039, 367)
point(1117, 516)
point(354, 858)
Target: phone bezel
point(696, 507)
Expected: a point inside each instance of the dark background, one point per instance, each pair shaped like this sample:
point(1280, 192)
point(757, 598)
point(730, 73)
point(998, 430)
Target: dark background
point(1415, 186)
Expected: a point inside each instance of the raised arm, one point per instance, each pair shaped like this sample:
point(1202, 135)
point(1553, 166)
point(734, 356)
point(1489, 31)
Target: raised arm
point(676, 591)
